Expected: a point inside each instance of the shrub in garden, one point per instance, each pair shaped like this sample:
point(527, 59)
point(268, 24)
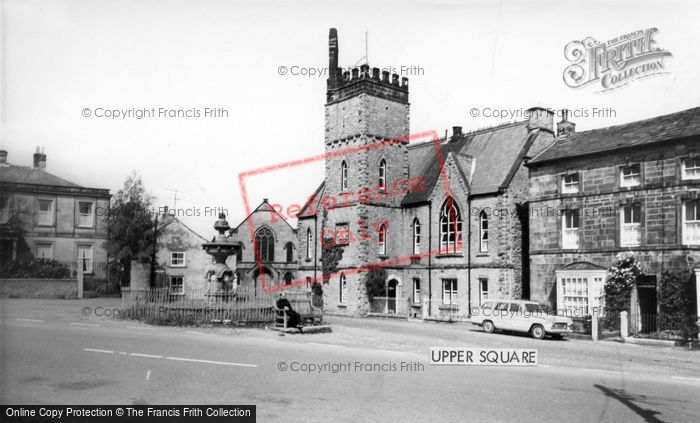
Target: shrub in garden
point(621, 278)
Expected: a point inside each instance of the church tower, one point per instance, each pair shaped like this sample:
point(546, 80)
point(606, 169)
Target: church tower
point(366, 139)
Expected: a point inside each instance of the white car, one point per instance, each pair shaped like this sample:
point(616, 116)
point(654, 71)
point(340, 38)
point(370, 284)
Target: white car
point(520, 316)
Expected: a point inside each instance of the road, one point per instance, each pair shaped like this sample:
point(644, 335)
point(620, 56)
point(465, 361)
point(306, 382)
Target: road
point(64, 360)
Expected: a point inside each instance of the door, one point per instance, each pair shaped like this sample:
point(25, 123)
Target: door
point(391, 296)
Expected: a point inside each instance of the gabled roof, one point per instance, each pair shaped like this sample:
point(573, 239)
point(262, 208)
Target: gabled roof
point(494, 152)
point(678, 125)
point(169, 220)
point(263, 207)
point(314, 201)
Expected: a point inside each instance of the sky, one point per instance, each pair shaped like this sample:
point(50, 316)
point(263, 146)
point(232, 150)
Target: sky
point(61, 58)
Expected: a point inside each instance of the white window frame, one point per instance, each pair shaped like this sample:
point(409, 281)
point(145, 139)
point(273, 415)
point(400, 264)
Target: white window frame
point(450, 232)
point(382, 175)
point(449, 296)
point(416, 236)
point(580, 292)
point(181, 289)
point(571, 186)
point(483, 290)
point(381, 239)
point(483, 232)
point(343, 288)
point(88, 268)
point(343, 176)
point(691, 236)
point(41, 244)
point(89, 221)
point(570, 234)
point(309, 243)
point(45, 218)
point(416, 291)
point(626, 229)
point(694, 169)
point(631, 179)
point(174, 259)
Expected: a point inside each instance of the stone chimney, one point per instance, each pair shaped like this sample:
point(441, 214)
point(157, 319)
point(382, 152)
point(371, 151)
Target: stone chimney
point(456, 131)
point(39, 159)
point(540, 118)
point(3, 157)
point(565, 128)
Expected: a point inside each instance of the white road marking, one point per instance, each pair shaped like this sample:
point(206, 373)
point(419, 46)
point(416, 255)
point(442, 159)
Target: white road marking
point(122, 353)
point(195, 332)
point(694, 379)
point(194, 360)
point(32, 320)
point(148, 375)
point(146, 355)
point(138, 327)
point(93, 325)
point(99, 351)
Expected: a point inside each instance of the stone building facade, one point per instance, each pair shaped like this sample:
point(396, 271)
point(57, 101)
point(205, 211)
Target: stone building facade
point(277, 251)
point(45, 216)
point(628, 188)
point(444, 221)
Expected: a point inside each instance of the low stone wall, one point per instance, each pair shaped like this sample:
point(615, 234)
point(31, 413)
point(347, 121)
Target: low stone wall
point(38, 288)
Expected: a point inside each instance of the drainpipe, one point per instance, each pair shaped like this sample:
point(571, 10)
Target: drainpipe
point(430, 256)
point(469, 256)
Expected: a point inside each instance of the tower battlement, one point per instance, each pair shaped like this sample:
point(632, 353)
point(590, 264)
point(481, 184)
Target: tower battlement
point(358, 80)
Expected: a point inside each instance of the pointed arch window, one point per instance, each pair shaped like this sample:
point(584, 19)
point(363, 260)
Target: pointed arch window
point(382, 174)
point(381, 238)
point(483, 232)
point(309, 244)
point(265, 242)
point(450, 227)
point(416, 236)
point(344, 176)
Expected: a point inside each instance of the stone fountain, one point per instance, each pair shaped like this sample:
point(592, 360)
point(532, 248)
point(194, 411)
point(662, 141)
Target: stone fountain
point(219, 276)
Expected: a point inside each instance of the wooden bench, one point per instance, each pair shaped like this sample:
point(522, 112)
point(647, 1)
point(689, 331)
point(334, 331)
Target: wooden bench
point(309, 314)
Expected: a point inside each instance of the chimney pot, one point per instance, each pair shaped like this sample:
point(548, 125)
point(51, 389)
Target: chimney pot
point(456, 131)
point(39, 159)
point(565, 127)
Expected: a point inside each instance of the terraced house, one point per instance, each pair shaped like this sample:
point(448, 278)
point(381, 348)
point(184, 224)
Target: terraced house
point(594, 194)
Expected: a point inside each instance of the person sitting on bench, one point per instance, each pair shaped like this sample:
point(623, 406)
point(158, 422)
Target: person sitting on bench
point(294, 318)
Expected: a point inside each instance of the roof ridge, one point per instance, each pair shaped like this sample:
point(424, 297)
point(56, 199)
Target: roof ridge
point(474, 132)
point(636, 122)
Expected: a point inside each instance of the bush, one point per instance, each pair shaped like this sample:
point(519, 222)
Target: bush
point(375, 283)
point(675, 303)
point(36, 268)
point(622, 277)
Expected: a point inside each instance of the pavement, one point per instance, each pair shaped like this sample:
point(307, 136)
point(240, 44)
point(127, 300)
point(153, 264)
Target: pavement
point(54, 352)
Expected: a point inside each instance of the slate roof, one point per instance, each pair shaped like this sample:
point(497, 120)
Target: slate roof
point(662, 128)
point(493, 150)
point(28, 175)
point(317, 197)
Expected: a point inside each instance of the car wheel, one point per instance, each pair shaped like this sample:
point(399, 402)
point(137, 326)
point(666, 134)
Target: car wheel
point(488, 326)
point(537, 331)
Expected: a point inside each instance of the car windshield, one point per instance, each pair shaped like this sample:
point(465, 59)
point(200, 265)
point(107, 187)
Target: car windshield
point(532, 308)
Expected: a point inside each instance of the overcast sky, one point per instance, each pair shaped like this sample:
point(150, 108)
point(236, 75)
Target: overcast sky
point(60, 57)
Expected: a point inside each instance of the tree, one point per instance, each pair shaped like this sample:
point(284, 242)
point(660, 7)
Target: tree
point(375, 282)
point(131, 227)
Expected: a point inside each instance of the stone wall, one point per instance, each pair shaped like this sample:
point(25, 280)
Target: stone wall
point(38, 288)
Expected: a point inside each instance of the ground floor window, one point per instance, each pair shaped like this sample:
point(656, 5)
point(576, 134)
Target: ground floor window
point(416, 291)
point(44, 250)
point(177, 284)
point(580, 293)
point(483, 290)
point(85, 257)
point(343, 288)
point(449, 291)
